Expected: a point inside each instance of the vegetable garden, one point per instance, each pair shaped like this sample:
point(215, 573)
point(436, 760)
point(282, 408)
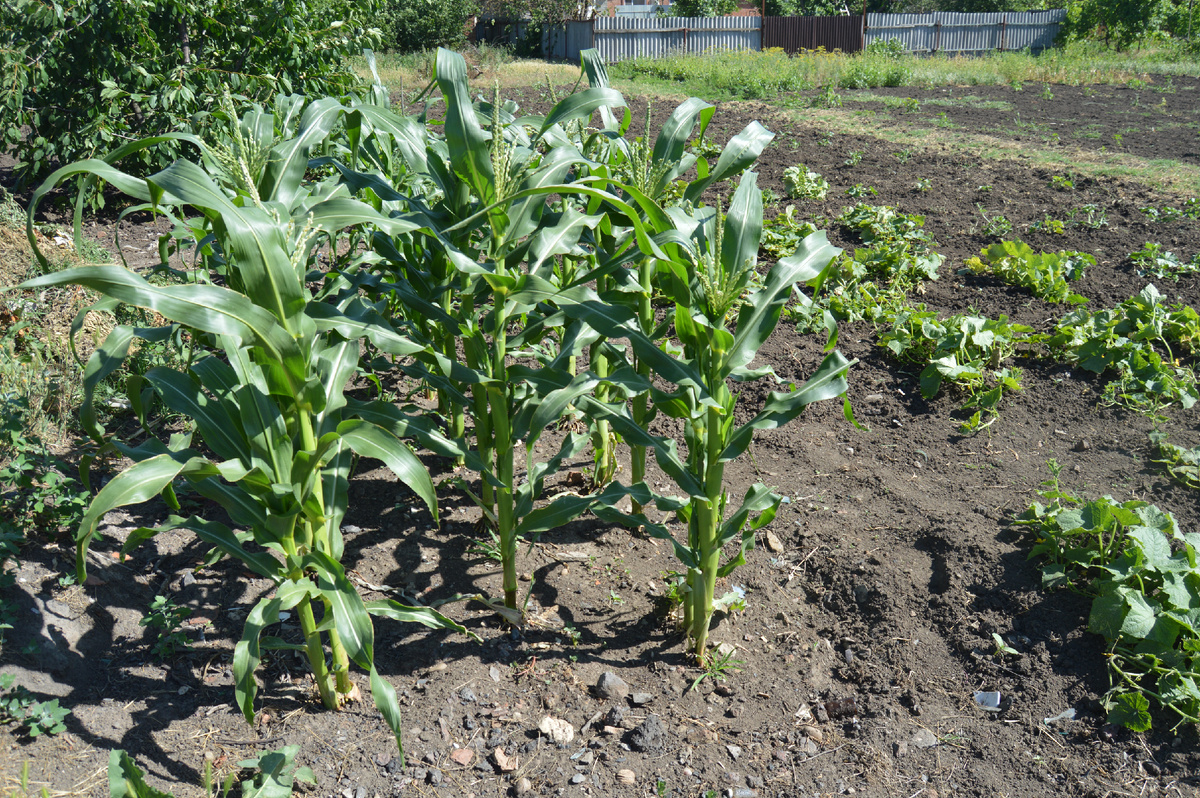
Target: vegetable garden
point(414, 425)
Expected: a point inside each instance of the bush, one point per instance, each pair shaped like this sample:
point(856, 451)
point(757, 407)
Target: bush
point(412, 25)
point(85, 76)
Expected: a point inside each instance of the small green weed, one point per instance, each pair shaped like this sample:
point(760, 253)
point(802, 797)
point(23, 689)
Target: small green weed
point(719, 668)
point(19, 706)
point(166, 619)
point(1153, 261)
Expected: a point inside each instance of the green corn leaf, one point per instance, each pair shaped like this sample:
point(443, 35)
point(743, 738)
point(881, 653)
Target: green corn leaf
point(470, 154)
point(370, 440)
point(125, 779)
point(350, 616)
point(184, 395)
point(384, 696)
point(580, 105)
point(741, 151)
point(828, 381)
point(759, 316)
point(335, 214)
point(743, 227)
point(282, 179)
point(141, 482)
point(247, 653)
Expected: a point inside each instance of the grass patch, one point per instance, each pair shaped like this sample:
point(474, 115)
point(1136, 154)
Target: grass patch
point(757, 75)
point(411, 72)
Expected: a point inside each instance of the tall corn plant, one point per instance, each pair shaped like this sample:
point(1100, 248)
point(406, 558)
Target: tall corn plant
point(710, 286)
point(273, 438)
point(644, 173)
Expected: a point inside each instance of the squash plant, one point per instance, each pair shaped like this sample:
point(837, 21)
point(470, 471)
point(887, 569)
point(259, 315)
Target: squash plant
point(272, 436)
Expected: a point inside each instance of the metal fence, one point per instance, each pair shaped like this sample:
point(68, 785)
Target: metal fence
point(967, 33)
point(794, 34)
point(631, 36)
point(621, 38)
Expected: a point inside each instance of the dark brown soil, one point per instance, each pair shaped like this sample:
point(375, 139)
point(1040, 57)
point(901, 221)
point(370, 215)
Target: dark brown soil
point(867, 632)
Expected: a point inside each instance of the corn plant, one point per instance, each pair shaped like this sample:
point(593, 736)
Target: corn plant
point(272, 438)
point(711, 273)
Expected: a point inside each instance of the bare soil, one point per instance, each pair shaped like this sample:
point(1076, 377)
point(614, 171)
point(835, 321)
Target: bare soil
point(870, 618)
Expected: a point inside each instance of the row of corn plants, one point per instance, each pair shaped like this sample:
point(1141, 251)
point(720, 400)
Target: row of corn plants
point(530, 270)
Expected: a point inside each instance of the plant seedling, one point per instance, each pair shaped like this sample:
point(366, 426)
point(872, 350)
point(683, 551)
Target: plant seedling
point(718, 668)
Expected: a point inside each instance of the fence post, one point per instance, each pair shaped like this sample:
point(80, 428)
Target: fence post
point(937, 34)
point(1003, 32)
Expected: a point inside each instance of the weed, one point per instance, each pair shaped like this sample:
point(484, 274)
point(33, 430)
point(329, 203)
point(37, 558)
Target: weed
point(718, 668)
point(1047, 274)
point(826, 98)
point(855, 158)
point(923, 185)
point(1046, 93)
point(1002, 648)
point(1061, 183)
point(166, 619)
point(782, 234)
point(1153, 261)
point(858, 190)
point(996, 225)
point(904, 156)
point(19, 706)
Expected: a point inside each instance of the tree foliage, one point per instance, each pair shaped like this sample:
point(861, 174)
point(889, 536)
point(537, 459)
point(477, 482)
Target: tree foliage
point(86, 76)
point(703, 8)
point(811, 8)
point(410, 25)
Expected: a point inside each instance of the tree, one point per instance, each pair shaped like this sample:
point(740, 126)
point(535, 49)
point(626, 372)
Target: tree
point(410, 25)
point(85, 76)
point(1120, 22)
point(703, 8)
point(812, 8)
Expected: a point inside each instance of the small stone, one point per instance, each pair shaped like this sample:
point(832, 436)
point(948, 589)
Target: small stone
point(1083, 445)
point(735, 751)
point(468, 695)
point(524, 786)
point(814, 734)
point(383, 759)
point(586, 758)
point(506, 763)
point(462, 756)
point(578, 778)
point(650, 736)
point(434, 777)
point(901, 749)
point(725, 690)
point(611, 687)
point(393, 765)
point(560, 731)
point(189, 579)
point(781, 755)
point(923, 738)
point(626, 776)
point(773, 542)
point(641, 699)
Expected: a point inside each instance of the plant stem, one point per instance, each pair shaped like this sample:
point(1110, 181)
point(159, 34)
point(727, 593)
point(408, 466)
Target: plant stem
point(316, 654)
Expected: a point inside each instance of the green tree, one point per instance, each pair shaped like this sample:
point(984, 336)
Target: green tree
point(410, 25)
point(810, 8)
point(88, 75)
point(703, 8)
point(1120, 22)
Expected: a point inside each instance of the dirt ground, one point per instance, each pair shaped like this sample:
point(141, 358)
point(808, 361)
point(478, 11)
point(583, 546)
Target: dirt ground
point(870, 616)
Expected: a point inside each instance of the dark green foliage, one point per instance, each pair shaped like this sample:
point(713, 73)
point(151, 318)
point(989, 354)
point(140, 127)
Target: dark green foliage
point(703, 8)
point(86, 76)
point(411, 25)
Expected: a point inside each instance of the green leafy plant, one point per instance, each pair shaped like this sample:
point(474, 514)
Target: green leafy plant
point(1048, 225)
point(800, 182)
point(1002, 648)
point(923, 185)
point(1089, 216)
point(859, 190)
point(20, 707)
point(1061, 183)
point(166, 619)
point(1182, 464)
point(996, 225)
point(35, 491)
point(274, 776)
point(826, 97)
point(719, 668)
point(1153, 261)
point(854, 159)
point(1142, 574)
point(782, 233)
point(1047, 275)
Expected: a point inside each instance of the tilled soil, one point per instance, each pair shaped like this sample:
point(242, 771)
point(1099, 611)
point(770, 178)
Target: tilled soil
point(872, 598)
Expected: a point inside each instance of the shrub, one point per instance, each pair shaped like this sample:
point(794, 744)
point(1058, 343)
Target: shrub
point(86, 76)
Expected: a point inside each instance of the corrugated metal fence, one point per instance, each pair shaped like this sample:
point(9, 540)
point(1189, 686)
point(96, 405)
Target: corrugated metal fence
point(629, 36)
point(967, 33)
point(618, 39)
point(794, 34)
